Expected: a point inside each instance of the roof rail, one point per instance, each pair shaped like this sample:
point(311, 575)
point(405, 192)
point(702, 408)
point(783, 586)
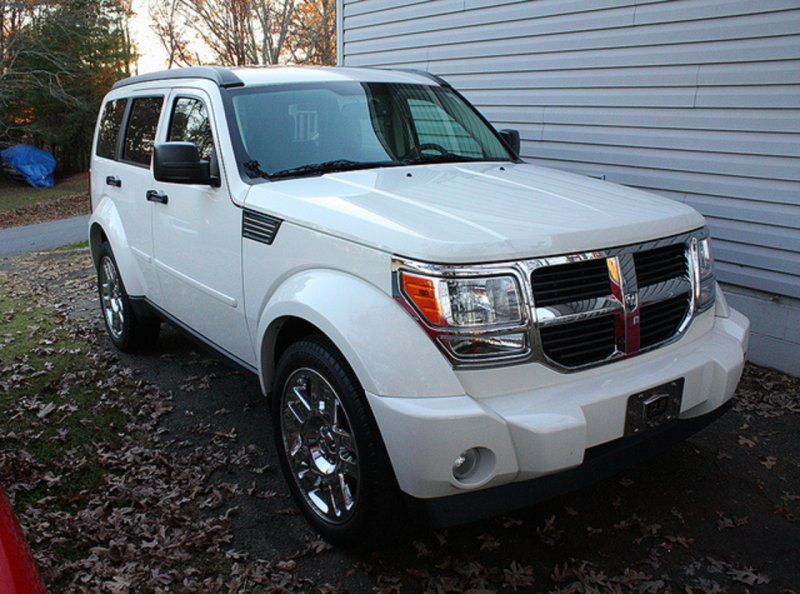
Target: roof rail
point(419, 72)
point(224, 77)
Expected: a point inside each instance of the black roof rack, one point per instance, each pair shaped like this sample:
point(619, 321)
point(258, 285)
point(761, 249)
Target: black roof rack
point(419, 72)
point(222, 76)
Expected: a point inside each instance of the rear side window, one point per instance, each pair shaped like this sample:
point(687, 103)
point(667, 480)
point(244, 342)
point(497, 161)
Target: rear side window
point(110, 124)
point(141, 133)
point(190, 123)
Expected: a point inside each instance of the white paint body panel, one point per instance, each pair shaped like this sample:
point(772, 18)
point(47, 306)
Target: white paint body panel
point(345, 290)
point(484, 212)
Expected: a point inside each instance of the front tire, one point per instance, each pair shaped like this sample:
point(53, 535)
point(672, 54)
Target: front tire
point(329, 445)
point(128, 332)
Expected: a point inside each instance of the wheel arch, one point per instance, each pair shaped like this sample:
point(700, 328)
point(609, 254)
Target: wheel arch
point(96, 238)
point(282, 333)
point(105, 224)
point(386, 349)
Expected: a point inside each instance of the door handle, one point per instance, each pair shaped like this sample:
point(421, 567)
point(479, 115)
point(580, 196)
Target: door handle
point(156, 196)
point(113, 181)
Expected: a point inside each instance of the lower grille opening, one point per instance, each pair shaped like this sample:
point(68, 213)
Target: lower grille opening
point(579, 343)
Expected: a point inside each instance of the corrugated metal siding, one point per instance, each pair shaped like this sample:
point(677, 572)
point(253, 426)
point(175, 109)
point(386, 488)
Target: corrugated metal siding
point(698, 100)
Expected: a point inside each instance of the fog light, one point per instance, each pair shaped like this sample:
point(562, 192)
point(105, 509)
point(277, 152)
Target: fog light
point(466, 464)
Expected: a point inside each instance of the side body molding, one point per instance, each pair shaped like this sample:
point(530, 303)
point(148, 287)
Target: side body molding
point(105, 215)
point(389, 353)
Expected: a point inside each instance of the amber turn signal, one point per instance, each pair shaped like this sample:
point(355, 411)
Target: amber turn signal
point(422, 293)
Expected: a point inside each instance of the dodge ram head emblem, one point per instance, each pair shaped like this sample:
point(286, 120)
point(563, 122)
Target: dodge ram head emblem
point(631, 301)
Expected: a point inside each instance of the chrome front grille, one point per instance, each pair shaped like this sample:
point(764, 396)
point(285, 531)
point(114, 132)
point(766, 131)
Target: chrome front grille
point(597, 307)
point(589, 308)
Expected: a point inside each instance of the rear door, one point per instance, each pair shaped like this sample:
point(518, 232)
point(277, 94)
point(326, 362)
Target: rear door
point(197, 237)
point(123, 167)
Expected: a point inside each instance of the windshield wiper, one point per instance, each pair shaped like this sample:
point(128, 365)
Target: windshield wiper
point(329, 167)
point(253, 169)
point(442, 158)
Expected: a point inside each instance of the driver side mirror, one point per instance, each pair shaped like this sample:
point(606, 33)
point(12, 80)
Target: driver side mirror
point(180, 163)
point(512, 140)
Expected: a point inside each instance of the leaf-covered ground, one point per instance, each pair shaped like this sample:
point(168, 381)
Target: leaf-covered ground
point(21, 204)
point(155, 473)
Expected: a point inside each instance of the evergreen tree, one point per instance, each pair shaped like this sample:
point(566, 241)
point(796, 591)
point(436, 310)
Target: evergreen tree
point(62, 59)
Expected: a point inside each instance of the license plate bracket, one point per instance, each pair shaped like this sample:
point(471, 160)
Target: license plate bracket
point(654, 407)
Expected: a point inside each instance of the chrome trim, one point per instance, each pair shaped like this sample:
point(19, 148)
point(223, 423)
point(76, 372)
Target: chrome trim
point(664, 290)
point(536, 318)
point(709, 281)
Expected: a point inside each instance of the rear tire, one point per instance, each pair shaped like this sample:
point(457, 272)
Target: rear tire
point(329, 446)
point(128, 332)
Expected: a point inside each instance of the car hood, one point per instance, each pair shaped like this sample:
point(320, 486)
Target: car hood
point(475, 212)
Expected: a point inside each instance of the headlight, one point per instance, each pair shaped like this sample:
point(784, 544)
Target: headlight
point(470, 316)
point(705, 269)
point(464, 302)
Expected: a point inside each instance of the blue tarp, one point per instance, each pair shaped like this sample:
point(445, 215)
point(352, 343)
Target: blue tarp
point(35, 165)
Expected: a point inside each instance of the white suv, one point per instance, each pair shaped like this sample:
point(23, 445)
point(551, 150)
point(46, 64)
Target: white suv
point(430, 315)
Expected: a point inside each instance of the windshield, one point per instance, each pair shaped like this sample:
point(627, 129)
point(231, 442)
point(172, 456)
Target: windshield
point(301, 129)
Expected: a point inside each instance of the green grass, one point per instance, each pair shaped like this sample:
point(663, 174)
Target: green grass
point(14, 195)
point(73, 247)
point(33, 336)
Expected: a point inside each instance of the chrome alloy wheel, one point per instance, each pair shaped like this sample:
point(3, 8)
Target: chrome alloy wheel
point(319, 446)
point(111, 296)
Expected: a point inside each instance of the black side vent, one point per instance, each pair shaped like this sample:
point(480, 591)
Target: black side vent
point(566, 283)
point(259, 227)
point(660, 264)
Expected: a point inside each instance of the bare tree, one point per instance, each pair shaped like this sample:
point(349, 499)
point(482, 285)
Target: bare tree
point(168, 23)
point(275, 20)
point(238, 32)
point(313, 38)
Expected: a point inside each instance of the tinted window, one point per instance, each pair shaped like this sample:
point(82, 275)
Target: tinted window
point(141, 133)
point(110, 124)
point(190, 123)
point(284, 127)
point(435, 126)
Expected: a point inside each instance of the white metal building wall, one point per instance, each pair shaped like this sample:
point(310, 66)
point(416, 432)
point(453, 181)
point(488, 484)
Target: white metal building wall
point(698, 100)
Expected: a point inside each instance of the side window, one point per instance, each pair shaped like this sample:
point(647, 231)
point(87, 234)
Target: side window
point(435, 126)
point(141, 133)
point(190, 123)
point(110, 124)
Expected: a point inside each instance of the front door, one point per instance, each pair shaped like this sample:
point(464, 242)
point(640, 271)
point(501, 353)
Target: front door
point(197, 239)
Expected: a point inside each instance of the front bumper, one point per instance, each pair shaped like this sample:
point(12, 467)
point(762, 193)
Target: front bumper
point(557, 425)
point(599, 462)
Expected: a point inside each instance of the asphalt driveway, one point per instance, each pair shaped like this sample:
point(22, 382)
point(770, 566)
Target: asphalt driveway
point(43, 236)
